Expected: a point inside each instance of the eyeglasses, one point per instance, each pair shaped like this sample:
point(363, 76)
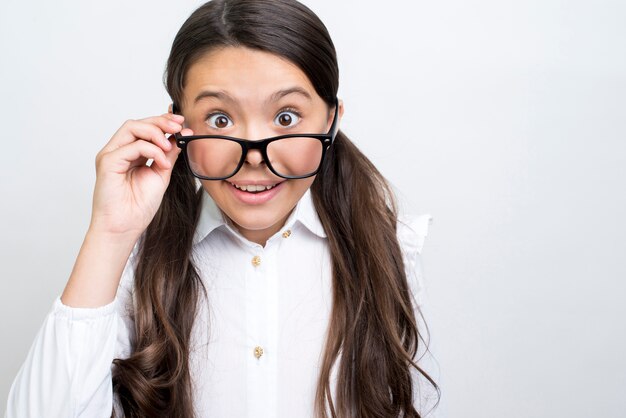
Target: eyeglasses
point(293, 156)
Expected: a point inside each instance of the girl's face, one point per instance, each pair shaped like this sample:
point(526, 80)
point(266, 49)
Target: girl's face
point(252, 94)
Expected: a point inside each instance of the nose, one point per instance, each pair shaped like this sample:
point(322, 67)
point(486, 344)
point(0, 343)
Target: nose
point(254, 158)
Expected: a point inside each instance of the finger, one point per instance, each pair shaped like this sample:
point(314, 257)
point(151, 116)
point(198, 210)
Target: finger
point(149, 129)
point(173, 154)
point(171, 157)
point(139, 163)
point(175, 117)
point(166, 122)
point(180, 119)
point(122, 159)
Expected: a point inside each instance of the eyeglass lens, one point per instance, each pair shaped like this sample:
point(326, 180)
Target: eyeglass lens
point(291, 157)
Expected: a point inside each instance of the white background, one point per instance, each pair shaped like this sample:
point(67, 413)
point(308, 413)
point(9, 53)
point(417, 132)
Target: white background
point(503, 119)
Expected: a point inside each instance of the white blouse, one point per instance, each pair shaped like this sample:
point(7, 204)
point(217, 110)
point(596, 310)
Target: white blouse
point(256, 346)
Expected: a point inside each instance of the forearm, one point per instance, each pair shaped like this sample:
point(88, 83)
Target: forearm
point(98, 268)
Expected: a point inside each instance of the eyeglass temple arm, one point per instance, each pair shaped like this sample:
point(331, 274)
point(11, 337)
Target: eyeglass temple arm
point(335, 125)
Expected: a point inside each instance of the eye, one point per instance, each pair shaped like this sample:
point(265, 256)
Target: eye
point(219, 121)
point(288, 117)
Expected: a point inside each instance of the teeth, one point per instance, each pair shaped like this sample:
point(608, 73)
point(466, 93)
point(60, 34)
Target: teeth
point(253, 187)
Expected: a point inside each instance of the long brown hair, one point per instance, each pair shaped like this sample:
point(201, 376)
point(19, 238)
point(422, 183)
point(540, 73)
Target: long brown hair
point(373, 335)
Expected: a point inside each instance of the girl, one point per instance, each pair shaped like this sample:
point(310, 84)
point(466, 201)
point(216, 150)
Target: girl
point(254, 267)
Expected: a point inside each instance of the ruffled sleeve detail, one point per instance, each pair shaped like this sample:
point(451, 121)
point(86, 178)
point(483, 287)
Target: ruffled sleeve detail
point(78, 314)
point(412, 232)
point(67, 372)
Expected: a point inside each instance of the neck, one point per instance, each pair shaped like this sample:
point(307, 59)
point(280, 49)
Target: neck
point(259, 236)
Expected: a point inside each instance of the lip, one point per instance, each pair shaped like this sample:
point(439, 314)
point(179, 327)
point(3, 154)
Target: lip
point(256, 182)
point(255, 198)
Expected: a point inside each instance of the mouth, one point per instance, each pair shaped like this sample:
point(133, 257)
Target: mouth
point(254, 188)
point(251, 192)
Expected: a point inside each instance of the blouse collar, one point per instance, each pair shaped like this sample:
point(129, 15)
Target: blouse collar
point(211, 217)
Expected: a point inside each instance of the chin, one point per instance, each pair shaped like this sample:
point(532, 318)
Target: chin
point(262, 219)
point(257, 220)
point(255, 223)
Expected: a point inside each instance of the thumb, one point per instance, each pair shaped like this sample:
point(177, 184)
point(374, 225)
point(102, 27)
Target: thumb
point(174, 153)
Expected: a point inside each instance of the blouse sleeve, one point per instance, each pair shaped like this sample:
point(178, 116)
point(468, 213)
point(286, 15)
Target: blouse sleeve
point(67, 372)
point(411, 234)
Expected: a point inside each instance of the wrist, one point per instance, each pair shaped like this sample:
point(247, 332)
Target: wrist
point(114, 238)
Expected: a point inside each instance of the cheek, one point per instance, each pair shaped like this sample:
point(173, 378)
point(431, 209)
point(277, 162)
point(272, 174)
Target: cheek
point(297, 189)
point(300, 186)
point(215, 189)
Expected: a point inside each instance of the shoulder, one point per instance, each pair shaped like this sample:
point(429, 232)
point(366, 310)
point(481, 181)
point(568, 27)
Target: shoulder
point(412, 231)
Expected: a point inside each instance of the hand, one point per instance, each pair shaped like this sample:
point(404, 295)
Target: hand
point(128, 193)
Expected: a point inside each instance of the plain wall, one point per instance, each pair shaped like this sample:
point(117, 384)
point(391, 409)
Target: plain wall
point(503, 119)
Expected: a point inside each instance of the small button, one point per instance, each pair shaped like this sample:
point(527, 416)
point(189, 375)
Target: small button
point(287, 233)
point(256, 261)
point(258, 351)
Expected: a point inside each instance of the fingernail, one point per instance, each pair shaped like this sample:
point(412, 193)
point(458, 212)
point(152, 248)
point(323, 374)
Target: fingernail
point(178, 117)
point(174, 125)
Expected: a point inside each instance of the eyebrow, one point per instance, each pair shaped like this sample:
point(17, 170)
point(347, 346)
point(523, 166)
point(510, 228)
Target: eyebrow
point(222, 95)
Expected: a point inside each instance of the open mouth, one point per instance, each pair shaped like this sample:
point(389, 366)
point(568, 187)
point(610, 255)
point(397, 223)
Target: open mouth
point(254, 189)
point(256, 194)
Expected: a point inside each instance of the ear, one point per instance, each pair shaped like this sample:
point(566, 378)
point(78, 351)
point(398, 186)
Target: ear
point(340, 109)
point(169, 108)
point(332, 115)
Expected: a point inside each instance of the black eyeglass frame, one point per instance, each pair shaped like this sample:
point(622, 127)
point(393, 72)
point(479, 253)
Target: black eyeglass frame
point(246, 145)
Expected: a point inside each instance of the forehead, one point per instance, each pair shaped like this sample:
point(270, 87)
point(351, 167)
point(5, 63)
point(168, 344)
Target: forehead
point(247, 75)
